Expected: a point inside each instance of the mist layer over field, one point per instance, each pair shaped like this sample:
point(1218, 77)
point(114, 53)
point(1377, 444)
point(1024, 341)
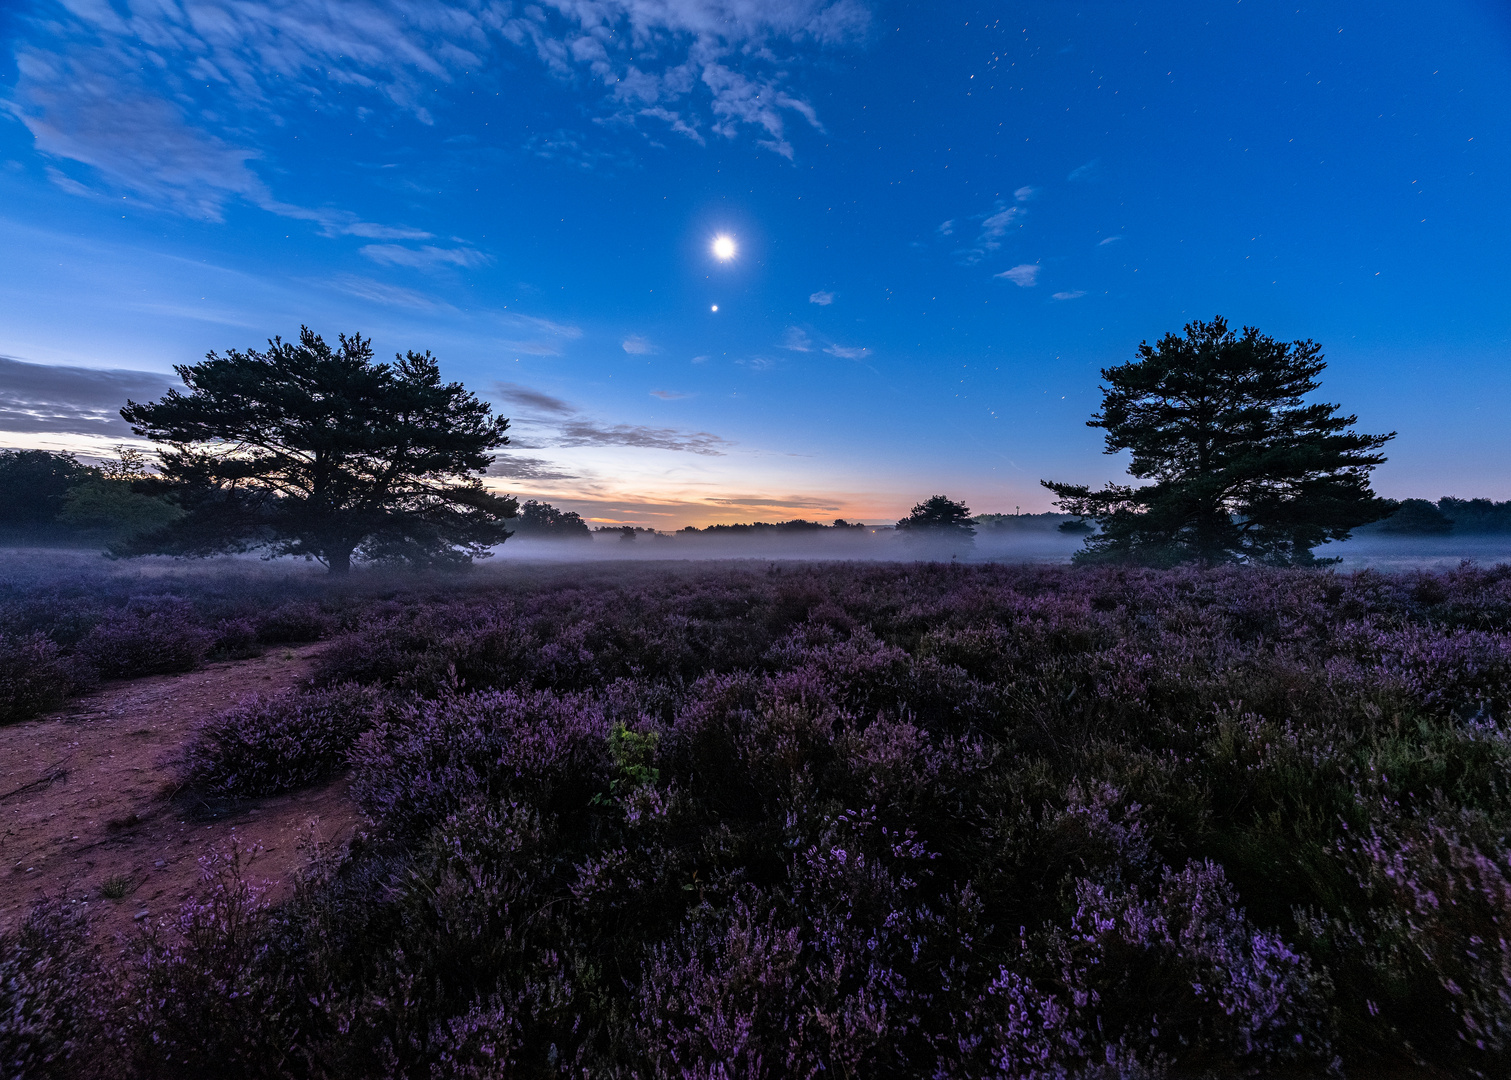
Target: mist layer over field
point(1381, 552)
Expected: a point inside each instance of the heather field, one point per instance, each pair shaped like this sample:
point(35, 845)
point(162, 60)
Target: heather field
point(776, 820)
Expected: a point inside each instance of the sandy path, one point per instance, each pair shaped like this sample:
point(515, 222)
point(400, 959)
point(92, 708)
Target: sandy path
point(85, 797)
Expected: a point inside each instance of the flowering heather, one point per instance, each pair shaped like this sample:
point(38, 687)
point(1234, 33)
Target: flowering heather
point(34, 676)
point(881, 821)
point(276, 743)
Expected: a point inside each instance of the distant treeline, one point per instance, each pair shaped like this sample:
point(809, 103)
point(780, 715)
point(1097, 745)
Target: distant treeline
point(1419, 517)
point(1067, 523)
point(53, 498)
point(797, 525)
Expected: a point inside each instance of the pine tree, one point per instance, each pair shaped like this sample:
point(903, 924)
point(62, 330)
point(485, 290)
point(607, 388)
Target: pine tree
point(1239, 467)
point(308, 450)
point(940, 516)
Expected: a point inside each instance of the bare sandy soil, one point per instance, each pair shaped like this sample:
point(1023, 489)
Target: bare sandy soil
point(88, 807)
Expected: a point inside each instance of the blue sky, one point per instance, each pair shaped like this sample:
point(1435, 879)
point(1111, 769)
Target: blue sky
point(948, 217)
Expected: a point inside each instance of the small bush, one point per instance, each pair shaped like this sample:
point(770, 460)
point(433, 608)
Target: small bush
point(53, 995)
point(154, 636)
point(205, 1000)
point(279, 742)
point(234, 639)
point(34, 676)
point(293, 622)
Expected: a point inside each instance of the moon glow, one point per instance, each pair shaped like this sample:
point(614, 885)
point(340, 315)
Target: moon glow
point(724, 248)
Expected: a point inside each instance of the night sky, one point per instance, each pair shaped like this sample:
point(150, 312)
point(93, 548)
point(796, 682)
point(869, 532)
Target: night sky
point(946, 217)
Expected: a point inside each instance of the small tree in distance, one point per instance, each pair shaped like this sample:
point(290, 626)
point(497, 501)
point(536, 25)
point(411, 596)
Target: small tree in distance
point(308, 450)
point(538, 520)
point(1240, 468)
point(941, 517)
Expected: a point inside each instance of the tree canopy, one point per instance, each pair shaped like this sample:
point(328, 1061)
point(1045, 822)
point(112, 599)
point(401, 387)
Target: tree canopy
point(52, 498)
point(34, 483)
point(1417, 517)
point(939, 516)
point(538, 520)
point(307, 450)
point(1240, 468)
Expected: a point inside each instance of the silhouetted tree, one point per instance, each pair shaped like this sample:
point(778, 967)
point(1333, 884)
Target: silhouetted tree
point(105, 505)
point(33, 484)
point(939, 516)
point(1476, 515)
point(308, 450)
point(1417, 517)
point(1239, 467)
point(543, 521)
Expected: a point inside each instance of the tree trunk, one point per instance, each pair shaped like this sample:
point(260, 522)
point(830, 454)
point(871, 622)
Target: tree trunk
point(340, 562)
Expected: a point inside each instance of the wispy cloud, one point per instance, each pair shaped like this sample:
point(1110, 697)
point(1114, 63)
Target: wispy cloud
point(529, 469)
point(847, 352)
point(379, 292)
point(796, 339)
point(86, 401)
point(428, 257)
point(636, 345)
point(576, 151)
point(946, 228)
point(659, 60)
point(793, 503)
point(166, 100)
point(1022, 275)
point(1109, 240)
point(822, 298)
point(591, 433)
point(995, 225)
point(1092, 170)
point(1074, 294)
point(531, 399)
point(537, 337)
point(563, 426)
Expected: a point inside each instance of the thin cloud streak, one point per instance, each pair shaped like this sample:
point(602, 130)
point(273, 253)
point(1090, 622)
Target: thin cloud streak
point(795, 339)
point(589, 433)
point(428, 257)
point(366, 288)
point(530, 469)
point(531, 399)
point(73, 400)
point(1025, 275)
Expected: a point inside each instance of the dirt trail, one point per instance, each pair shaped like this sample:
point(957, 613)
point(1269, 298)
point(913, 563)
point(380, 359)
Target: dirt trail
point(85, 807)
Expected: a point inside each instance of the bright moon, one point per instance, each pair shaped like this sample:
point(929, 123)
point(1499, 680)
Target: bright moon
point(724, 247)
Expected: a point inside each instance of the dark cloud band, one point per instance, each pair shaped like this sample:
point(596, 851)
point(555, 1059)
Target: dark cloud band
point(73, 400)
